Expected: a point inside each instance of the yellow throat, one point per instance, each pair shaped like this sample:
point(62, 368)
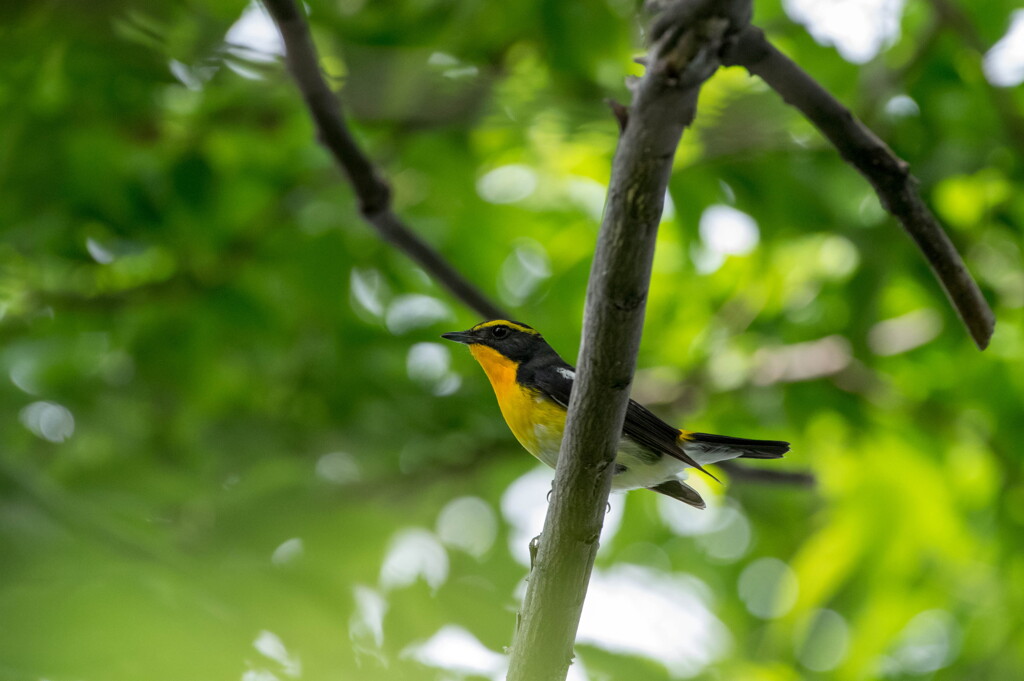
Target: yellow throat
point(524, 409)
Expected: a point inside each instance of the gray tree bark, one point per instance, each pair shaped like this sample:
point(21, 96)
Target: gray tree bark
point(664, 103)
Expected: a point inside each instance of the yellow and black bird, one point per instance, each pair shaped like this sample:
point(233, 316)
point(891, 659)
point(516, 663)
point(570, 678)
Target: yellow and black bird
point(533, 384)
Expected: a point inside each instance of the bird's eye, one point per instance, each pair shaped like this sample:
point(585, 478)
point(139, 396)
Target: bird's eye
point(499, 331)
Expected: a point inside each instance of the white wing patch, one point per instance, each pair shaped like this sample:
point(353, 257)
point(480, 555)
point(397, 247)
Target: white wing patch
point(705, 454)
point(567, 373)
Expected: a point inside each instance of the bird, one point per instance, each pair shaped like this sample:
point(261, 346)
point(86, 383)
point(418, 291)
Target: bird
point(533, 384)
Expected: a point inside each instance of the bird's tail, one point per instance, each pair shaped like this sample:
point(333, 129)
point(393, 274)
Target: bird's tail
point(707, 448)
point(677, 489)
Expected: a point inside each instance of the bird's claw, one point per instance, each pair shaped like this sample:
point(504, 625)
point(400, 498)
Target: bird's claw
point(534, 547)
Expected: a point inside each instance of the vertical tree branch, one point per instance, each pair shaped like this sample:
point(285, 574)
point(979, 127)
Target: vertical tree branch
point(888, 174)
point(373, 192)
point(664, 103)
point(371, 189)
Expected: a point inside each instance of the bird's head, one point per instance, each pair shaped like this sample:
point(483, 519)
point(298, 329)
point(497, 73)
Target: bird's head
point(512, 340)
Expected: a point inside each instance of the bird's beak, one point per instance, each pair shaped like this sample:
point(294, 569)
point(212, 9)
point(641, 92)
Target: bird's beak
point(459, 337)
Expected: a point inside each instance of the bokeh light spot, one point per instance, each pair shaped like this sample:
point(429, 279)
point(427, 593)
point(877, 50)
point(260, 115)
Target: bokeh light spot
point(730, 539)
point(48, 420)
point(768, 587)
point(368, 290)
point(367, 621)
point(428, 364)
point(468, 524)
point(414, 554)
point(339, 468)
point(289, 551)
point(254, 37)
point(414, 311)
point(507, 184)
point(930, 641)
point(640, 611)
point(904, 333)
point(728, 231)
point(455, 649)
point(272, 647)
point(826, 643)
point(523, 270)
point(858, 29)
point(1004, 63)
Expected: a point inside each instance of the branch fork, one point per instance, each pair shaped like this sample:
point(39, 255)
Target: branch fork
point(685, 54)
point(690, 40)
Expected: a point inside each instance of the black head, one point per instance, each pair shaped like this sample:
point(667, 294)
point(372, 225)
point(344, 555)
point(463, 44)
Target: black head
point(514, 340)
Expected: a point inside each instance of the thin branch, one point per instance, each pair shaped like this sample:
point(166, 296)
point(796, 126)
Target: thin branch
point(664, 103)
point(739, 472)
point(373, 192)
point(81, 518)
point(888, 174)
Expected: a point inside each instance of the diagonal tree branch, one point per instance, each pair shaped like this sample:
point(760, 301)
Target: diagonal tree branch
point(373, 192)
point(888, 174)
point(767, 476)
point(664, 103)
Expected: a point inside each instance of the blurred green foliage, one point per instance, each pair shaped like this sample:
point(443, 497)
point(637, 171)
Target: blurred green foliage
point(232, 447)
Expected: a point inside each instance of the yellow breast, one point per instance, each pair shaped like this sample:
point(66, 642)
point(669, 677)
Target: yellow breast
point(537, 422)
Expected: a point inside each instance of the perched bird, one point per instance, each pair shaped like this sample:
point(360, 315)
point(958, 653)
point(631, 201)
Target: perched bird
point(533, 384)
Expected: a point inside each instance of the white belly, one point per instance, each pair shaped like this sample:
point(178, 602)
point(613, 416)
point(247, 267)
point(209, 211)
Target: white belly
point(639, 470)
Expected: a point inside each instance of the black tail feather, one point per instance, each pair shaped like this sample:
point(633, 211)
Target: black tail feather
point(681, 491)
point(752, 449)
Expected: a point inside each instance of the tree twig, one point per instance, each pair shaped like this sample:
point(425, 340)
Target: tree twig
point(664, 103)
point(888, 174)
point(738, 471)
point(373, 192)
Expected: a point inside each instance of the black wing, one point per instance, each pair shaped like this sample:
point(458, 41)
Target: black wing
point(556, 378)
point(681, 491)
point(648, 430)
point(553, 377)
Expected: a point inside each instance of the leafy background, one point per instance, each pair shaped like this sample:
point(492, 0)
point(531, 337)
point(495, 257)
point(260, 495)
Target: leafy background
point(233, 447)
